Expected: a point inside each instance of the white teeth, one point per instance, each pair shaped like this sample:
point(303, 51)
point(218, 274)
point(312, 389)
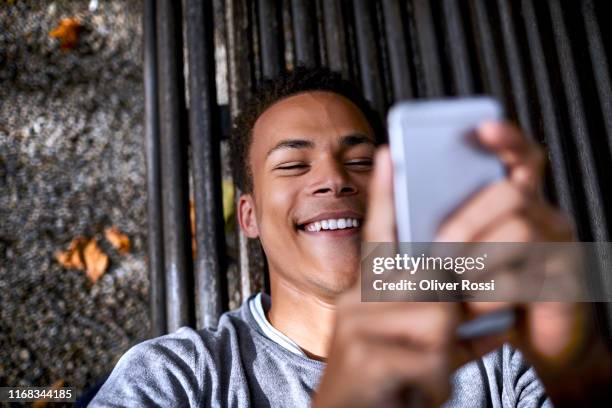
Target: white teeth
point(332, 224)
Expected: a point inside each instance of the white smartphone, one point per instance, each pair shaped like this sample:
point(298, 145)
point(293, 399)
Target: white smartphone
point(437, 163)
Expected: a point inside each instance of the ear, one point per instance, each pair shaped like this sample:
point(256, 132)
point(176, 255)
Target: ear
point(246, 216)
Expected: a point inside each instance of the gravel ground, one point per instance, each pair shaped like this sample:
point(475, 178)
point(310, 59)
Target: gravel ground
point(71, 163)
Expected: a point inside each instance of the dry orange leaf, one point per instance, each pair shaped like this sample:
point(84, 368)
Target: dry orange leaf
point(67, 32)
point(72, 257)
point(42, 403)
point(96, 261)
point(84, 254)
point(118, 240)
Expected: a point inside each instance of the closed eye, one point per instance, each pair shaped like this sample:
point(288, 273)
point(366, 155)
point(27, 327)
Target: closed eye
point(361, 163)
point(291, 166)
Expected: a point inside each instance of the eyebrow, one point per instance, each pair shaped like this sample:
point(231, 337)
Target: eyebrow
point(348, 141)
point(355, 139)
point(291, 144)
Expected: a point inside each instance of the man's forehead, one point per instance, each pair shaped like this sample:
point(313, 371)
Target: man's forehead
point(311, 111)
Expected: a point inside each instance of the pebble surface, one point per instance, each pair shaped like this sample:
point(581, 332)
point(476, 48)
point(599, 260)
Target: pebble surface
point(71, 163)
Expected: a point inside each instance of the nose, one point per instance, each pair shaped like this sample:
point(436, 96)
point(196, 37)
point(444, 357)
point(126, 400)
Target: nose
point(331, 179)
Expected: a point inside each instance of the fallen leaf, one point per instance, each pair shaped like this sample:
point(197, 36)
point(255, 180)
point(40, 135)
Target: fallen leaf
point(42, 403)
point(67, 32)
point(96, 261)
point(118, 240)
point(72, 257)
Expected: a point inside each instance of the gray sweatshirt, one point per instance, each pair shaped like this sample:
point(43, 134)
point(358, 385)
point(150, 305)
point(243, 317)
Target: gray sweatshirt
point(242, 363)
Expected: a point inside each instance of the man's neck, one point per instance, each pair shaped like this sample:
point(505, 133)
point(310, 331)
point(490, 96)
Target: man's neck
point(305, 318)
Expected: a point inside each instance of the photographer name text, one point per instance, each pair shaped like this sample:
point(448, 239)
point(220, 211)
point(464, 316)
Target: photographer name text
point(433, 285)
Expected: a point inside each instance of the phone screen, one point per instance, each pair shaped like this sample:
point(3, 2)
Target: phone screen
point(437, 164)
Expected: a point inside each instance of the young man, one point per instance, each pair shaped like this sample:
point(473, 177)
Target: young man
point(305, 150)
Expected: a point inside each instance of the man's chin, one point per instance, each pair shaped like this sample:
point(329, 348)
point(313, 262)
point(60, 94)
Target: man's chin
point(334, 254)
point(335, 268)
point(336, 281)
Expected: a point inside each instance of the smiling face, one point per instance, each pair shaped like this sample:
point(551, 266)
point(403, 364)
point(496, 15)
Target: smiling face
point(311, 158)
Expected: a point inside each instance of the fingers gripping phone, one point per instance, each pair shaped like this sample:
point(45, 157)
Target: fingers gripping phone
point(437, 163)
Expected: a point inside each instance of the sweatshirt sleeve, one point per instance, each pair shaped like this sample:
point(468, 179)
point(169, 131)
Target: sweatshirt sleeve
point(522, 382)
point(165, 371)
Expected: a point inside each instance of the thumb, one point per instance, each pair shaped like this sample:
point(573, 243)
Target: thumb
point(380, 220)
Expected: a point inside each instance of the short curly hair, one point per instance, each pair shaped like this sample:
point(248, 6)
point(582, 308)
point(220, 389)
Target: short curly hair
point(287, 84)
